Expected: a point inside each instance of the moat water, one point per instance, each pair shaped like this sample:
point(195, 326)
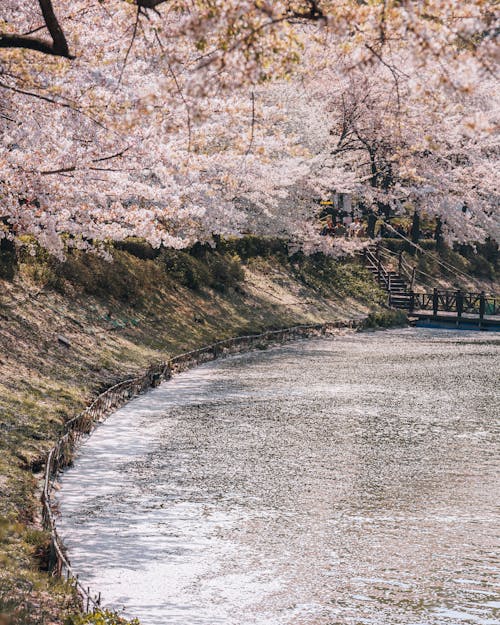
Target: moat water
point(340, 481)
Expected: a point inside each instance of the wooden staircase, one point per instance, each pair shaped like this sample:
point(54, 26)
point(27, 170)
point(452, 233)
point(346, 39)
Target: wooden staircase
point(452, 308)
point(397, 286)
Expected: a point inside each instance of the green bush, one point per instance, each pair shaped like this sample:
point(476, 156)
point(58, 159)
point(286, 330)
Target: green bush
point(225, 272)
point(8, 259)
point(40, 266)
point(138, 248)
point(252, 246)
point(329, 276)
point(124, 277)
point(386, 319)
point(118, 278)
point(206, 268)
point(100, 617)
point(184, 268)
point(39, 541)
point(484, 258)
point(481, 268)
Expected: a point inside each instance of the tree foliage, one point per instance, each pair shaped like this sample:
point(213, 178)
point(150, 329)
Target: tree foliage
point(174, 120)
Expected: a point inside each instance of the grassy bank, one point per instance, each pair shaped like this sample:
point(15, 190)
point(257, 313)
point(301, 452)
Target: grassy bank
point(470, 267)
point(68, 330)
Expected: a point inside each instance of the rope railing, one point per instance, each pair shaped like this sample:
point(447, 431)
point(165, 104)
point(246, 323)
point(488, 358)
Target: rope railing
point(60, 456)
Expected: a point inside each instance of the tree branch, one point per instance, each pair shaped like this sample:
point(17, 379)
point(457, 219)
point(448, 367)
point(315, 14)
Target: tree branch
point(313, 13)
point(59, 46)
point(149, 4)
point(252, 133)
point(56, 32)
point(134, 34)
point(63, 170)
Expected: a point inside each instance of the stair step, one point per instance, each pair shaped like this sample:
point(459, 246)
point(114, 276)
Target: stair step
point(391, 281)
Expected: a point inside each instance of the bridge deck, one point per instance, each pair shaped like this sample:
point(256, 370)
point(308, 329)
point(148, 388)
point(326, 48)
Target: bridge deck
point(448, 318)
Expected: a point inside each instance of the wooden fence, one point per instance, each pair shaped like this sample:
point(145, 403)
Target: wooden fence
point(60, 456)
point(457, 302)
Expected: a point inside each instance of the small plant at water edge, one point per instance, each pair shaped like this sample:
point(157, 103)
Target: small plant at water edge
point(100, 617)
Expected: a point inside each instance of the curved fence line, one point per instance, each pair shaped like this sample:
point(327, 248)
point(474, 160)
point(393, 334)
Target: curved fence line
point(60, 456)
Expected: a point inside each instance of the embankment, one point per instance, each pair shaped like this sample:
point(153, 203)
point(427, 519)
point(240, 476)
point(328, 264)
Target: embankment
point(69, 330)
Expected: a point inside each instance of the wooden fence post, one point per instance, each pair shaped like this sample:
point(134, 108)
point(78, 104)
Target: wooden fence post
point(459, 303)
point(52, 555)
point(435, 302)
point(482, 305)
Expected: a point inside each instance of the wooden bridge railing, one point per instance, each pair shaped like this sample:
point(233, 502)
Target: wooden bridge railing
point(458, 302)
point(400, 285)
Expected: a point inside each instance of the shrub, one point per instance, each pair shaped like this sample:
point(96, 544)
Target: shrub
point(184, 268)
point(39, 540)
point(386, 319)
point(203, 267)
point(225, 272)
point(124, 277)
point(481, 268)
point(252, 246)
point(100, 617)
point(118, 278)
point(330, 276)
point(138, 248)
point(8, 259)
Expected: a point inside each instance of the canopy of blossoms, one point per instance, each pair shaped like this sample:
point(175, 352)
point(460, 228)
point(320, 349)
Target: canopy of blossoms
point(176, 120)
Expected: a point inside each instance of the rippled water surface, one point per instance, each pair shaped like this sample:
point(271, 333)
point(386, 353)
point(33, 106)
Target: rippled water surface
point(347, 481)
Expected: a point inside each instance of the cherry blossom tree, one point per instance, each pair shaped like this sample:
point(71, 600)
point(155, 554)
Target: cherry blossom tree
point(408, 138)
point(177, 120)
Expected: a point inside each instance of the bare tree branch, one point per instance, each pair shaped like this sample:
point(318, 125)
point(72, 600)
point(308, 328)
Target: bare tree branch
point(181, 94)
point(314, 13)
point(63, 170)
point(252, 133)
point(59, 45)
point(115, 155)
point(149, 4)
point(134, 34)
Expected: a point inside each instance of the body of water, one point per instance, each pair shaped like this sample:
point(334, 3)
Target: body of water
point(328, 482)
